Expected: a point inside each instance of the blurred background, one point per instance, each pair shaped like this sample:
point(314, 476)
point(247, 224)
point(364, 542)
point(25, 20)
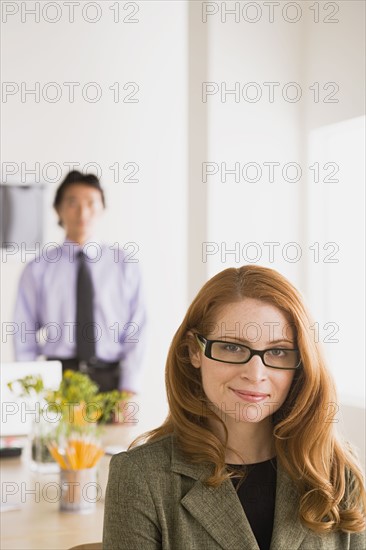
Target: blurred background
point(224, 133)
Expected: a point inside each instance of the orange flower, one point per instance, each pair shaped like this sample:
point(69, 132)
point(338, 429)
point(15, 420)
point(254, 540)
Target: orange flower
point(81, 414)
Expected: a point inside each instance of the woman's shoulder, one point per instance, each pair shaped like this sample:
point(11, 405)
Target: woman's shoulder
point(150, 456)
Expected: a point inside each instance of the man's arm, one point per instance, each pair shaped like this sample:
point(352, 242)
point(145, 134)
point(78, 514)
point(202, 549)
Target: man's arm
point(133, 338)
point(26, 317)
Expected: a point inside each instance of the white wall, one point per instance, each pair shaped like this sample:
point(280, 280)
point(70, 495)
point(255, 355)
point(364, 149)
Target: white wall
point(335, 52)
point(336, 279)
point(259, 132)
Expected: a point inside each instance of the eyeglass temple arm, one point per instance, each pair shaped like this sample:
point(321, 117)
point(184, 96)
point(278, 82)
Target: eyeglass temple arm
point(201, 341)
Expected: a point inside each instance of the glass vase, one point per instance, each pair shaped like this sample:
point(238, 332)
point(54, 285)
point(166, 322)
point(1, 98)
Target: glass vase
point(44, 432)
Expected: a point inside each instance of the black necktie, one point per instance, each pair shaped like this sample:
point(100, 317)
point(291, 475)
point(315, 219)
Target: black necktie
point(85, 330)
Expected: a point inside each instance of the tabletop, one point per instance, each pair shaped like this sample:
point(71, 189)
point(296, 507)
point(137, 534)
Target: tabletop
point(30, 516)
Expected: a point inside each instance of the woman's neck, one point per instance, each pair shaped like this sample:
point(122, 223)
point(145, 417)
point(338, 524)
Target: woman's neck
point(248, 442)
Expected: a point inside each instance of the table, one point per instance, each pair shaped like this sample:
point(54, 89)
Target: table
point(37, 523)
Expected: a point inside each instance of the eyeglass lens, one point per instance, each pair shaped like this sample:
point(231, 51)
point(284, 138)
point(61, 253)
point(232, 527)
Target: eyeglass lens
point(235, 353)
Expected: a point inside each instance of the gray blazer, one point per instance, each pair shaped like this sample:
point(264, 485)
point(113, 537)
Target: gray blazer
point(156, 500)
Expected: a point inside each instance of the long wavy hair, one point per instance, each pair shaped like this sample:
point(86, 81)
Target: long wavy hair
point(303, 428)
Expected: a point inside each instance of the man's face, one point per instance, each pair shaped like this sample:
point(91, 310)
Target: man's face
point(80, 209)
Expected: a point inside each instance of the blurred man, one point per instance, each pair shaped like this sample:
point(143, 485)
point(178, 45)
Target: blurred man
point(83, 298)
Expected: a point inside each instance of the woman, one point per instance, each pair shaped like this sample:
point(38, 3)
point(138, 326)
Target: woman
point(247, 457)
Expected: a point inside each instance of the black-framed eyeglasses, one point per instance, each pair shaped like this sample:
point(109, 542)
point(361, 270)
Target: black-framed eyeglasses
point(232, 352)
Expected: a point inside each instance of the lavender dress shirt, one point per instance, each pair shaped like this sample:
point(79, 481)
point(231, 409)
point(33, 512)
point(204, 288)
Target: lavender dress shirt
point(45, 311)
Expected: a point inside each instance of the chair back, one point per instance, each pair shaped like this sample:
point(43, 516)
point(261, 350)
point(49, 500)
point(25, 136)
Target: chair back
point(90, 546)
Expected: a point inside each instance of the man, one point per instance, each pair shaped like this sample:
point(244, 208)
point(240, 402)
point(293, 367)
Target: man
point(83, 298)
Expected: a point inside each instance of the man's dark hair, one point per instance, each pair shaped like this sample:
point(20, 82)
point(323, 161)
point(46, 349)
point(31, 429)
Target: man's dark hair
point(78, 178)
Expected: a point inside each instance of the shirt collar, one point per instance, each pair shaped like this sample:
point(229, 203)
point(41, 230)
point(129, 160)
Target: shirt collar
point(92, 248)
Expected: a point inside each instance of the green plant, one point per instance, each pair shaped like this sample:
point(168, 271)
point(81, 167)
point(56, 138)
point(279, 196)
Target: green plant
point(27, 385)
point(77, 399)
point(42, 434)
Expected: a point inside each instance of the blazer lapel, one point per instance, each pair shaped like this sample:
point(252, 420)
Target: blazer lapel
point(288, 531)
point(218, 510)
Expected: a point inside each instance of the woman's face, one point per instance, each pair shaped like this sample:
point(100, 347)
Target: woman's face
point(247, 392)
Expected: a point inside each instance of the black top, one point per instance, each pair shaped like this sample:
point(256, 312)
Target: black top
point(257, 494)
